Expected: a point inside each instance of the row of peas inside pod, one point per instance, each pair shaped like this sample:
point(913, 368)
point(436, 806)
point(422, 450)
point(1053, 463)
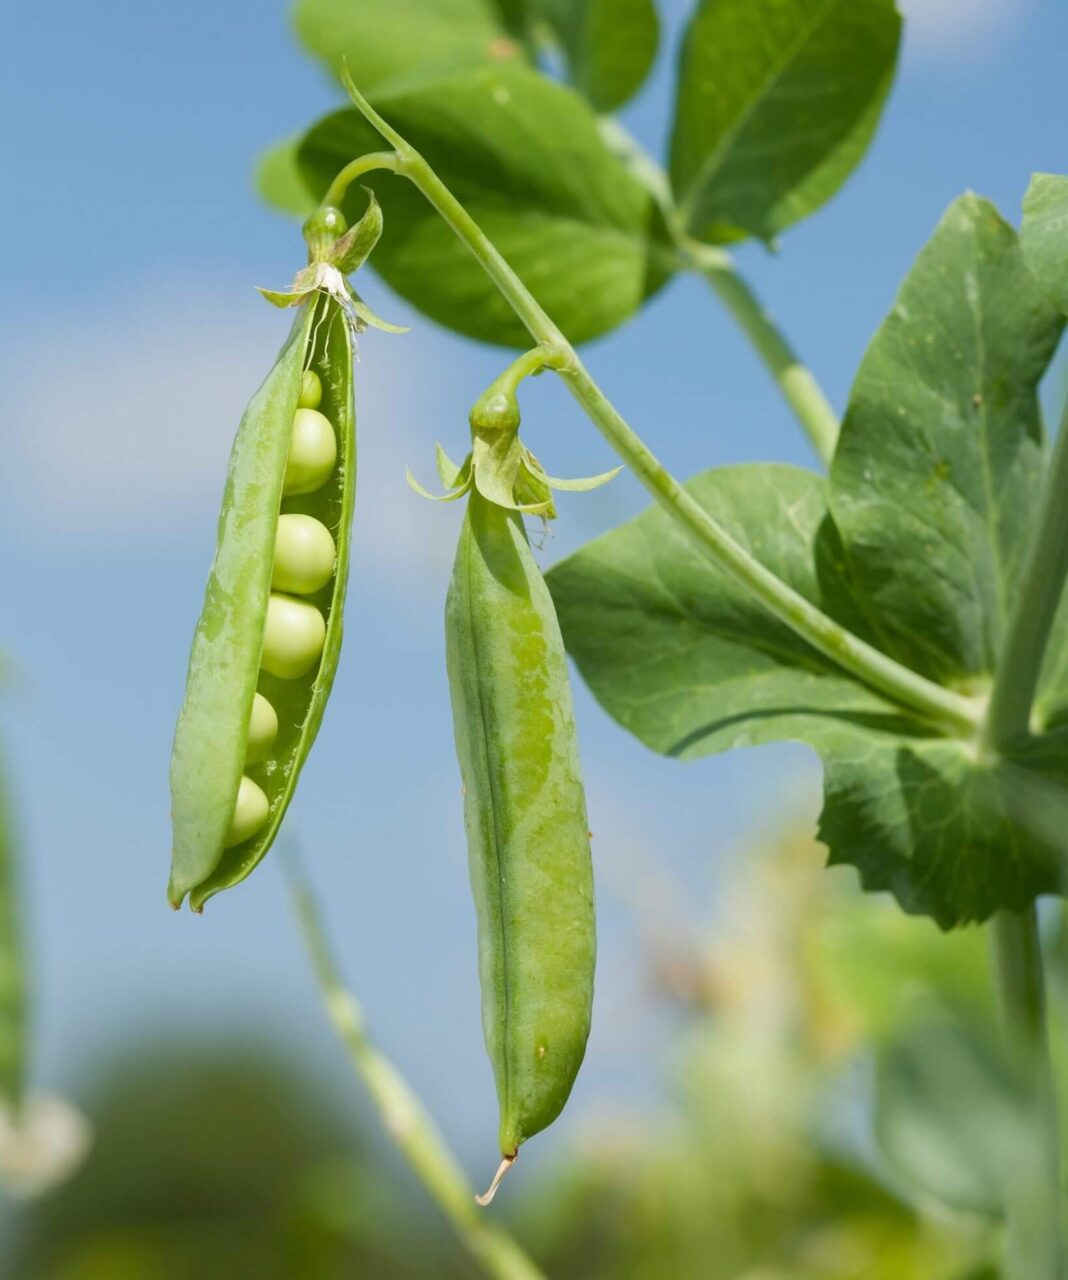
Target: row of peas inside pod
point(295, 629)
point(268, 640)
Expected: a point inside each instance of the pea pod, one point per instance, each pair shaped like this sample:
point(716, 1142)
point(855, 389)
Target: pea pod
point(232, 775)
point(525, 816)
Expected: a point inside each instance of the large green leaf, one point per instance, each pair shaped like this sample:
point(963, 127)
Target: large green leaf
point(951, 834)
point(1044, 234)
point(682, 657)
point(939, 462)
point(609, 45)
point(525, 157)
point(778, 100)
point(680, 654)
point(399, 41)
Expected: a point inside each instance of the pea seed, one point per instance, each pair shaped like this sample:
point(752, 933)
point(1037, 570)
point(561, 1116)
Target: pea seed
point(293, 637)
point(250, 813)
point(312, 452)
point(311, 390)
point(304, 555)
point(262, 730)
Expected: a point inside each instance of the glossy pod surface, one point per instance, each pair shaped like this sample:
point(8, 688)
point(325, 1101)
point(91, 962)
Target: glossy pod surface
point(525, 815)
point(213, 753)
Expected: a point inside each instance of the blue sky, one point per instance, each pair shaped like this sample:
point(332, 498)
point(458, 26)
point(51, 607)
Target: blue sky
point(131, 340)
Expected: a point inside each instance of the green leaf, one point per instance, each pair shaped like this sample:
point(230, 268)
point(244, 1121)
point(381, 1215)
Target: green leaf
point(526, 159)
point(404, 41)
point(934, 480)
point(1044, 234)
point(778, 100)
point(610, 45)
point(680, 654)
point(280, 182)
point(950, 834)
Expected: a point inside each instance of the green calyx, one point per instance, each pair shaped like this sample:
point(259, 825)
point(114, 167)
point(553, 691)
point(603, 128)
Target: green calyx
point(335, 251)
point(500, 467)
point(322, 231)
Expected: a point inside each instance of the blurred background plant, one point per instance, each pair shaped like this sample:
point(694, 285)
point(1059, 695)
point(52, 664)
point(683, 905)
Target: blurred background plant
point(838, 1108)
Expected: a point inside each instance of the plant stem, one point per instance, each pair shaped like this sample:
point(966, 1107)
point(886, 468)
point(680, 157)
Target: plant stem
point(403, 1115)
point(13, 995)
point(942, 707)
point(356, 169)
point(1033, 1205)
point(796, 381)
point(1028, 631)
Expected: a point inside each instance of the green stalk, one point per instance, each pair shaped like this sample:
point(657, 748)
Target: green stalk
point(948, 710)
point(1029, 628)
point(403, 1115)
point(356, 169)
point(1033, 1208)
point(12, 970)
point(795, 381)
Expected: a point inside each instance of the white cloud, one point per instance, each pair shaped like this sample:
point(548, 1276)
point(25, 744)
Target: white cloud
point(957, 28)
point(119, 427)
point(125, 419)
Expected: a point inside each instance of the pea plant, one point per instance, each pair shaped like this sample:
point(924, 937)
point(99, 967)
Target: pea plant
point(898, 611)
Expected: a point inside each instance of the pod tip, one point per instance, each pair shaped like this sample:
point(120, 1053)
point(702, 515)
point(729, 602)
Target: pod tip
point(498, 1178)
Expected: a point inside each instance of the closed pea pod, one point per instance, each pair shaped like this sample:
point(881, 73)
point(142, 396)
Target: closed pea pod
point(525, 815)
point(524, 803)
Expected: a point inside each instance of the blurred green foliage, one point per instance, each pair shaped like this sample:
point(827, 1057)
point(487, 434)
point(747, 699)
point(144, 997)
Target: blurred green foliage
point(817, 1126)
point(225, 1161)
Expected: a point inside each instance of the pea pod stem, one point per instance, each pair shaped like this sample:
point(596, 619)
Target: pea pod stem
point(356, 169)
point(944, 708)
point(402, 1113)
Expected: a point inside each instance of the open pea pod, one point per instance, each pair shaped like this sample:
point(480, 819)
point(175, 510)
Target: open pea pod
point(267, 644)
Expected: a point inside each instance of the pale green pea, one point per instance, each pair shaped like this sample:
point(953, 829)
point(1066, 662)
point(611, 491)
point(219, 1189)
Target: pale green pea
point(312, 453)
point(250, 813)
point(262, 730)
point(293, 637)
point(311, 390)
point(304, 555)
